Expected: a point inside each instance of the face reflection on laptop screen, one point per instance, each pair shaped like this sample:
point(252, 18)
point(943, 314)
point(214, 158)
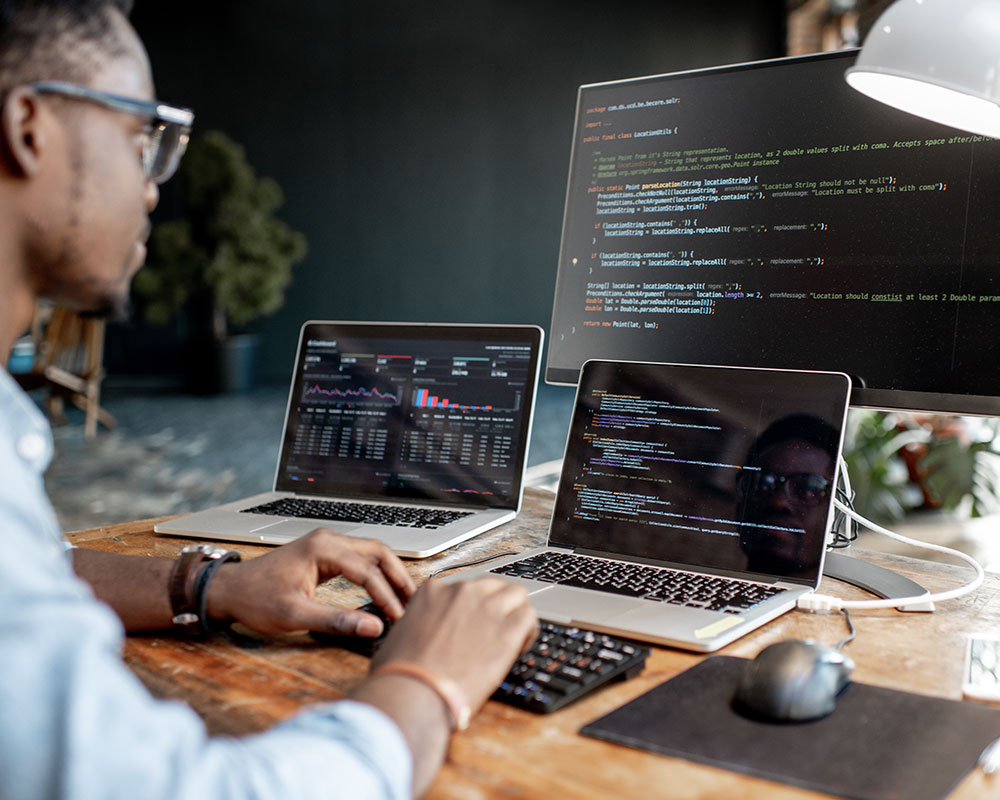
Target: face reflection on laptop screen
point(681, 464)
point(409, 416)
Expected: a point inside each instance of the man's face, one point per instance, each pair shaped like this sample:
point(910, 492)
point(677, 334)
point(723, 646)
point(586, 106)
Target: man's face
point(796, 522)
point(95, 224)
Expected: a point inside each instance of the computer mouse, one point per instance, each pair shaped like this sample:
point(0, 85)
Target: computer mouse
point(358, 644)
point(793, 681)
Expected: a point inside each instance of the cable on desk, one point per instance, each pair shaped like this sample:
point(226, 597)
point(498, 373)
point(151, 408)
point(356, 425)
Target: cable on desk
point(483, 560)
point(844, 529)
point(851, 632)
point(822, 602)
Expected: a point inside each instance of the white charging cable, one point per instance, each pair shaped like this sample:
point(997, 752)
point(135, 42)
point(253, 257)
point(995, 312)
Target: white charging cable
point(823, 602)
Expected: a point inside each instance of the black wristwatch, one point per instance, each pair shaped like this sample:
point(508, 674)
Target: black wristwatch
point(189, 580)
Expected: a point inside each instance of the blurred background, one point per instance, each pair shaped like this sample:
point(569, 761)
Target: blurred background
point(422, 147)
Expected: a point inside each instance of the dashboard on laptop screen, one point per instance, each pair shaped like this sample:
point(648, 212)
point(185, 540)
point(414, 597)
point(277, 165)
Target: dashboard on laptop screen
point(422, 412)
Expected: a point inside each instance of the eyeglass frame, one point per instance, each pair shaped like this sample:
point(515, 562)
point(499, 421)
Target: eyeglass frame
point(782, 483)
point(161, 116)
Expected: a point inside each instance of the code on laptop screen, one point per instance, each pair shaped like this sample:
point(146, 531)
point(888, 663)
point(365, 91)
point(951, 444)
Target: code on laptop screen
point(723, 468)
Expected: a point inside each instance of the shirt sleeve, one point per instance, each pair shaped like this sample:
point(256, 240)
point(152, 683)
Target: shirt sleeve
point(77, 723)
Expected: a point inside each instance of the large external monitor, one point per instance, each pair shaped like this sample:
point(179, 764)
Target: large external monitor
point(767, 214)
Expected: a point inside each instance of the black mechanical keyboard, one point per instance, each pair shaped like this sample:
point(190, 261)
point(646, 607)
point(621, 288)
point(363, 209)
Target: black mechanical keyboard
point(338, 511)
point(563, 665)
point(638, 580)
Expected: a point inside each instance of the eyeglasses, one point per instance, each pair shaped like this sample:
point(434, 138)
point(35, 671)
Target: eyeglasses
point(803, 488)
point(166, 133)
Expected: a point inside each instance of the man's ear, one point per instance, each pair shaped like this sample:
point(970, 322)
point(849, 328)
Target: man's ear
point(22, 132)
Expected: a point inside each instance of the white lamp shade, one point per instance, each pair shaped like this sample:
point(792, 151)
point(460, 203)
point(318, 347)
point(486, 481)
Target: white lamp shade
point(937, 59)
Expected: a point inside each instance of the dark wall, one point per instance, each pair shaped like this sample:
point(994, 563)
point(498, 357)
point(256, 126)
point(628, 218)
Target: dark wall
point(423, 146)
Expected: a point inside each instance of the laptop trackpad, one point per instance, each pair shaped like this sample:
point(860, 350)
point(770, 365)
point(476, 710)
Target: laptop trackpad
point(288, 529)
point(269, 525)
point(563, 603)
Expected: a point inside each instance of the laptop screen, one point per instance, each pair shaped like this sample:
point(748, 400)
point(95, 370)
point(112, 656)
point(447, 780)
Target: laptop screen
point(410, 411)
point(719, 468)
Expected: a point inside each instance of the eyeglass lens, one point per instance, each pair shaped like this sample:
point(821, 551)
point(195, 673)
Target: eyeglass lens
point(802, 487)
point(162, 151)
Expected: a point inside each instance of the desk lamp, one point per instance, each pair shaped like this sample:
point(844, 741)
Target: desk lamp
point(937, 59)
point(940, 60)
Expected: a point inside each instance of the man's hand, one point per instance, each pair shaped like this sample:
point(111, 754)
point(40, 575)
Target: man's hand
point(469, 631)
point(274, 592)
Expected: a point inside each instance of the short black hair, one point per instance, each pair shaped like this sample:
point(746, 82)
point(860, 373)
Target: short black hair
point(56, 39)
point(804, 427)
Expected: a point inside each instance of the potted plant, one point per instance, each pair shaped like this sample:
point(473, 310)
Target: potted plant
point(224, 262)
point(901, 462)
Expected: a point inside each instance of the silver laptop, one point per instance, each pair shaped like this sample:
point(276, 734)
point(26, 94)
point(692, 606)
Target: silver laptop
point(415, 434)
point(693, 503)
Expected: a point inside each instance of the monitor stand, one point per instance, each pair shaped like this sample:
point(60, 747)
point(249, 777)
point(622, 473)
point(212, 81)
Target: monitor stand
point(878, 580)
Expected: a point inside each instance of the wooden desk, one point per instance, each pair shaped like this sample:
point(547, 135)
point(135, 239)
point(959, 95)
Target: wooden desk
point(242, 688)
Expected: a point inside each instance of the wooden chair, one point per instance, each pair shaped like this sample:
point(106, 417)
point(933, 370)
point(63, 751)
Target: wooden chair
point(69, 351)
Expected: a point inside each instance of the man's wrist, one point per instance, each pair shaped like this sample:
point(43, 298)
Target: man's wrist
point(447, 690)
point(210, 624)
point(219, 597)
point(419, 714)
point(189, 581)
point(407, 701)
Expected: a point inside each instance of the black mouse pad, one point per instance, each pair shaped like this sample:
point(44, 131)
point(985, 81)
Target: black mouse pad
point(879, 744)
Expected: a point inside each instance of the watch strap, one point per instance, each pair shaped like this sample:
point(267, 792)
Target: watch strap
point(183, 579)
point(186, 604)
point(201, 591)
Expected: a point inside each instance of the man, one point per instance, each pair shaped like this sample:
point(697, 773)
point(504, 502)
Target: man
point(79, 162)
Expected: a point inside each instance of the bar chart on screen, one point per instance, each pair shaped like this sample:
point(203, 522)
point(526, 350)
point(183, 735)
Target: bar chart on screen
point(437, 398)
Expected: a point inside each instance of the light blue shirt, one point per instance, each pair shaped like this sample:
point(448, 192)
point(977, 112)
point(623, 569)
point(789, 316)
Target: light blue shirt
point(76, 723)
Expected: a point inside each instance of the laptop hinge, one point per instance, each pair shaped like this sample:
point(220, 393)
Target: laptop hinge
point(400, 501)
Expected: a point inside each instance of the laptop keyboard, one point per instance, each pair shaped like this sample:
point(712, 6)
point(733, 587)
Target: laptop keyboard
point(564, 664)
point(638, 580)
point(337, 511)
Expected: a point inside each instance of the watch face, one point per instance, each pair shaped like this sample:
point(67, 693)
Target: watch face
point(207, 550)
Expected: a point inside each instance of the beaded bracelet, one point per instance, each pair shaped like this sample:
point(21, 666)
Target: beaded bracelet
point(443, 686)
point(201, 592)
